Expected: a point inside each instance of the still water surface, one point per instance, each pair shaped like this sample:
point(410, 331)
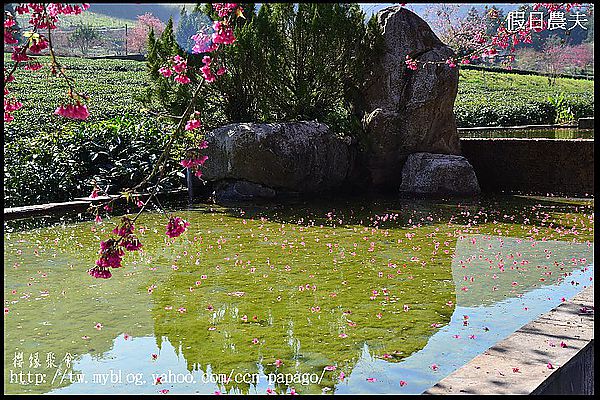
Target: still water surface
point(356, 296)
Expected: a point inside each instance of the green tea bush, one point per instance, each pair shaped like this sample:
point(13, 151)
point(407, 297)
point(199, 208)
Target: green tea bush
point(503, 99)
point(116, 153)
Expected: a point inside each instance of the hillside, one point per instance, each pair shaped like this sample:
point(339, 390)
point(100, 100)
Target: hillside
point(130, 11)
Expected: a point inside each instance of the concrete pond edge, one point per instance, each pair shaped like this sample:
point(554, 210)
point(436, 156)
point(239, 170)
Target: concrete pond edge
point(532, 360)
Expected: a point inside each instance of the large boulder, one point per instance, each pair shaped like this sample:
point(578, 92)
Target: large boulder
point(438, 174)
point(296, 156)
point(407, 111)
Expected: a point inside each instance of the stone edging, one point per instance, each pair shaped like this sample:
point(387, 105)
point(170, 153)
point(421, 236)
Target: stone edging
point(515, 128)
point(80, 204)
point(528, 350)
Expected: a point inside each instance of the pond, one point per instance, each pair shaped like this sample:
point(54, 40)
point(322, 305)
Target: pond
point(345, 296)
point(559, 133)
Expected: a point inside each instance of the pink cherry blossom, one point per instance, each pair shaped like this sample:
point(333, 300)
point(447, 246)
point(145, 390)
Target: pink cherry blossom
point(184, 80)
point(176, 227)
point(192, 124)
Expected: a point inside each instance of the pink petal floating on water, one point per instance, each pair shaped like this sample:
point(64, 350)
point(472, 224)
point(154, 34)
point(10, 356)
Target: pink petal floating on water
point(163, 391)
point(434, 367)
point(403, 383)
point(371, 379)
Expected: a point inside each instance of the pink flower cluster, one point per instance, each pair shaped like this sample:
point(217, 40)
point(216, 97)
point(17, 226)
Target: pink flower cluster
point(113, 250)
point(111, 254)
point(472, 36)
point(46, 17)
point(38, 45)
point(35, 66)
point(192, 124)
point(179, 67)
point(224, 9)
point(73, 111)
point(176, 227)
point(555, 6)
point(410, 63)
point(125, 229)
point(223, 33)
point(195, 160)
point(206, 72)
point(99, 272)
point(203, 43)
point(18, 55)
point(9, 31)
point(10, 105)
point(207, 43)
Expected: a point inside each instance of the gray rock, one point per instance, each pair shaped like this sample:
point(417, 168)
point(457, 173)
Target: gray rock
point(297, 156)
point(408, 111)
point(242, 191)
point(586, 123)
point(438, 174)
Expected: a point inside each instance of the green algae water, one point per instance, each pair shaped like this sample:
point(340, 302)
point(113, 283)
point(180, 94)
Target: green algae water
point(352, 296)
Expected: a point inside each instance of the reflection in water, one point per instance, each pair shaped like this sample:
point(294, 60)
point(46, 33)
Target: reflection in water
point(488, 269)
point(375, 293)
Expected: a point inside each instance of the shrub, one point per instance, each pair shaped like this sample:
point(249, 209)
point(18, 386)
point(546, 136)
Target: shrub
point(503, 99)
point(58, 166)
point(290, 62)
